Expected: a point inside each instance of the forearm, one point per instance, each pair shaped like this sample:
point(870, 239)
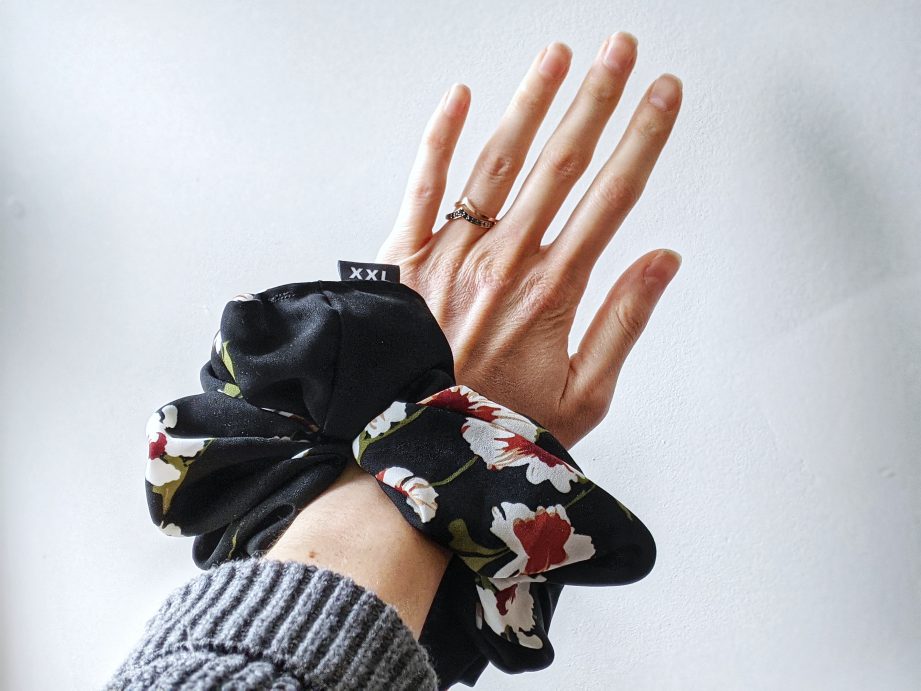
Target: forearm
point(312, 613)
point(353, 528)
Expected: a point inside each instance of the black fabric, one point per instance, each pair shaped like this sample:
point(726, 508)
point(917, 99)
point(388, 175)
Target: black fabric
point(306, 377)
point(500, 491)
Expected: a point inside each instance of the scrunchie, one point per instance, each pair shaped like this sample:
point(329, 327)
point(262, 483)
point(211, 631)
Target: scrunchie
point(506, 497)
point(306, 377)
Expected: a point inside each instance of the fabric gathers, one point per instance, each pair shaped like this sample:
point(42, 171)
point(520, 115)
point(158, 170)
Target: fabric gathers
point(295, 373)
point(307, 377)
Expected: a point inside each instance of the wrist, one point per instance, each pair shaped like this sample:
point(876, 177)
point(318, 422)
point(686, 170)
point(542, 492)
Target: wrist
point(354, 528)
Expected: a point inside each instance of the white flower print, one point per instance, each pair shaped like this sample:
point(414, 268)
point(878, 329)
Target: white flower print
point(171, 529)
point(463, 399)
point(501, 448)
point(511, 605)
point(161, 443)
point(420, 495)
point(541, 539)
point(383, 422)
point(160, 473)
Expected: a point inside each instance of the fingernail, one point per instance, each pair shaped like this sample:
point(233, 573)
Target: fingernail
point(555, 61)
point(665, 92)
point(662, 268)
point(455, 101)
point(620, 51)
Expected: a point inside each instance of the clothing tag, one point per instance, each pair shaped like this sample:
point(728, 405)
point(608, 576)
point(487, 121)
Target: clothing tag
point(367, 271)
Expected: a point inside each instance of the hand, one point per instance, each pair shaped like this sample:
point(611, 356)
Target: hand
point(505, 301)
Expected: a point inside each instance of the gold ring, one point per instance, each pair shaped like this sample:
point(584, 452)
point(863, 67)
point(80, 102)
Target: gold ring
point(465, 209)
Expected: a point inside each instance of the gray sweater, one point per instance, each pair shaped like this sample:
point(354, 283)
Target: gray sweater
point(265, 624)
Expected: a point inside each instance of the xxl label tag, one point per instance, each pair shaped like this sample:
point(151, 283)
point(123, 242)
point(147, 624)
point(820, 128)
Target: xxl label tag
point(367, 271)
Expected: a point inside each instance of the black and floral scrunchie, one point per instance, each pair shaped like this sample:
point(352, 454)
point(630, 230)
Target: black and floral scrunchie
point(306, 377)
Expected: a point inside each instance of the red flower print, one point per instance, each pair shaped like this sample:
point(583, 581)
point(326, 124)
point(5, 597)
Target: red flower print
point(504, 598)
point(509, 609)
point(157, 447)
point(500, 448)
point(162, 445)
point(464, 400)
point(525, 447)
point(453, 399)
point(542, 539)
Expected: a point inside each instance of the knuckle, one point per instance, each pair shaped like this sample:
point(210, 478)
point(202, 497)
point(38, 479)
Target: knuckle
point(601, 91)
point(566, 162)
point(629, 320)
point(424, 191)
point(438, 141)
point(618, 191)
point(651, 129)
point(488, 275)
point(498, 166)
point(549, 295)
point(528, 102)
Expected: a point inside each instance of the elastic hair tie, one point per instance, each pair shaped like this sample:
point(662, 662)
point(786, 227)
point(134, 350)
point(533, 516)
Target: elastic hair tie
point(307, 377)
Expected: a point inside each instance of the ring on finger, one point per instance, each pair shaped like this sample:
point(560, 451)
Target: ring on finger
point(465, 209)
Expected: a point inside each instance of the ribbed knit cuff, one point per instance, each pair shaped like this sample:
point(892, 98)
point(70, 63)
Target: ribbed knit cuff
point(258, 623)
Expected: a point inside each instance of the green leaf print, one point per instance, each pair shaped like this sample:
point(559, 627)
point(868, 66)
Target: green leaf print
point(475, 555)
point(365, 440)
point(168, 490)
point(233, 542)
point(457, 473)
point(581, 495)
point(232, 390)
point(462, 542)
point(225, 358)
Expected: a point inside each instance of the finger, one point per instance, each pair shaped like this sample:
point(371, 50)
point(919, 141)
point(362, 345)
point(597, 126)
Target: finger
point(615, 328)
point(498, 165)
point(619, 184)
point(427, 179)
point(568, 152)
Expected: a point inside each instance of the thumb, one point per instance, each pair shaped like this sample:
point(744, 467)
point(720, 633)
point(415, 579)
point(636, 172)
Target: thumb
point(615, 328)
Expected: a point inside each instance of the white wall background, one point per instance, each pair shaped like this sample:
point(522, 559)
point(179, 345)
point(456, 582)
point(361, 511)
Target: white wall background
point(157, 158)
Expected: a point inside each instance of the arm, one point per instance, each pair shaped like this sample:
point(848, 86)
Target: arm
point(341, 597)
point(293, 618)
point(354, 528)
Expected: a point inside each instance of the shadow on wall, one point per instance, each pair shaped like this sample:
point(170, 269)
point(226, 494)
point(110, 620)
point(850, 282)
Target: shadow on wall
point(853, 235)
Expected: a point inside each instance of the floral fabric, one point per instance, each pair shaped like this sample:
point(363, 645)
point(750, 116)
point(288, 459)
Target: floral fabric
point(502, 493)
point(307, 377)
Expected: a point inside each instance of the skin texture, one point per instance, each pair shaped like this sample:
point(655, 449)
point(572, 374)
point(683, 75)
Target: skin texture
point(505, 300)
point(353, 528)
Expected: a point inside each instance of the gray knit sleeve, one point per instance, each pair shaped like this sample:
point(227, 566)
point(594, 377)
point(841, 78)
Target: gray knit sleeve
point(260, 624)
